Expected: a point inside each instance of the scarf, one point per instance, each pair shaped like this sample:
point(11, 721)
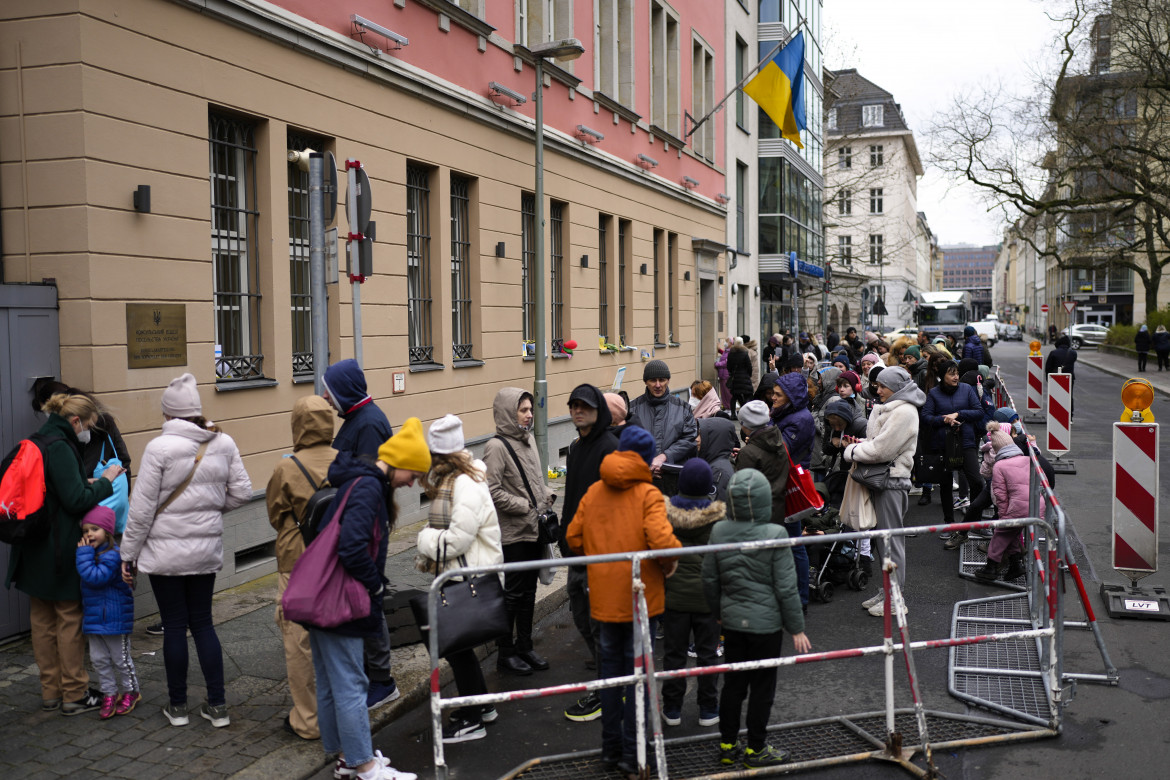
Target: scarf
point(438, 518)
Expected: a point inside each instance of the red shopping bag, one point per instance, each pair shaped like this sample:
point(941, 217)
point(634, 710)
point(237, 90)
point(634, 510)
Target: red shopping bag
point(801, 498)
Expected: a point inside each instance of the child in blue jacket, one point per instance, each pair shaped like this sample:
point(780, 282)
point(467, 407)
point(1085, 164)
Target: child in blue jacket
point(108, 612)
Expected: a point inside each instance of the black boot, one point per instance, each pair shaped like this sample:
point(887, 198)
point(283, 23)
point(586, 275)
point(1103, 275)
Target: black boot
point(1015, 567)
point(925, 499)
point(990, 572)
point(513, 664)
point(531, 658)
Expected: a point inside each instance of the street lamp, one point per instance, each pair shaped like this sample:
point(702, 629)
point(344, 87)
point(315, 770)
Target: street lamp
point(562, 50)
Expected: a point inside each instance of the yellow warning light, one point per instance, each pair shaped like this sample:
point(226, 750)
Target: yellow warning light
point(1034, 345)
point(1138, 396)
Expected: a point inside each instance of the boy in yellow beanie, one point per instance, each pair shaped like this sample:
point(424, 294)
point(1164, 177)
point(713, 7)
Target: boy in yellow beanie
point(405, 454)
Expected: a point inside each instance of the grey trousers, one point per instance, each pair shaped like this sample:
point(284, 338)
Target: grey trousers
point(110, 656)
point(890, 506)
point(377, 653)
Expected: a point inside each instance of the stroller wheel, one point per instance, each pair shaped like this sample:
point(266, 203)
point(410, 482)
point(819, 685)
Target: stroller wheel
point(825, 592)
point(862, 580)
point(855, 579)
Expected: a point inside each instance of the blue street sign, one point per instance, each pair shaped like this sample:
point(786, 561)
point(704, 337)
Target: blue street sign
point(808, 269)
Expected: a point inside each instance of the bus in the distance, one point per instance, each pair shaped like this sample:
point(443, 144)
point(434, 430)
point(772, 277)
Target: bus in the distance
point(944, 313)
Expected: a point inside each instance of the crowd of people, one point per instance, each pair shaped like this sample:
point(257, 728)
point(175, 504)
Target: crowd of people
point(919, 409)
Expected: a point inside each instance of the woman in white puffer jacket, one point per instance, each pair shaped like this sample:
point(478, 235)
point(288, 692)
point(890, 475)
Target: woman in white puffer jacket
point(181, 546)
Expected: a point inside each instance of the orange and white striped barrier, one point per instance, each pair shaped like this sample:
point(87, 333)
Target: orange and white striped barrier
point(1059, 418)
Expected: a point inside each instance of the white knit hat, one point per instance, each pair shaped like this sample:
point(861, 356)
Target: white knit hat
point(446, 435)
point(181, 398)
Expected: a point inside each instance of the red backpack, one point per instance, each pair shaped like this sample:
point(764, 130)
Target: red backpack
point(22, 491)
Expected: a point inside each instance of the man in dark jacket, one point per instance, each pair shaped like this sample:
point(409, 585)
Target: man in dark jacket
point(364, 426)
point(739, 370)
point(667, 417)
point(972, 346)
point(832, 339)
point(717, 440)
point(1063, 359)
point(592, 418)
point(363, 430)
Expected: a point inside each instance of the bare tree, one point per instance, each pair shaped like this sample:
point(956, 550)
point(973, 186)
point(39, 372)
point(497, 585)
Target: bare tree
point(1087, 155)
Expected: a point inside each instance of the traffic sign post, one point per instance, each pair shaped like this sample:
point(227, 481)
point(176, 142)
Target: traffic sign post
point(1059, 418)
point(359, 259)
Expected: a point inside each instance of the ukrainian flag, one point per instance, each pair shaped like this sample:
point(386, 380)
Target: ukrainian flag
point(779, 89)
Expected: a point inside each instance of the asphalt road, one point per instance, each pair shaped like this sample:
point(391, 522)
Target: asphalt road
point(1108, 731)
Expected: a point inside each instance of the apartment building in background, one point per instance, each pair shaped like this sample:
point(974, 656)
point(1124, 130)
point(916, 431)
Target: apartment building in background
point(970, 268)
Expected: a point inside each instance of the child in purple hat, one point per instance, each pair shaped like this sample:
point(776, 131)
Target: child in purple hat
point(108, 612)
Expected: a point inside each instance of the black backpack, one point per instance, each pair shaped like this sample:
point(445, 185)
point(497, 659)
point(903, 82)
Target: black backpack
point(317, 509)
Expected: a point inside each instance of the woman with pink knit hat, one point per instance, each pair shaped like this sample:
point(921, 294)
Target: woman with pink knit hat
point(1009, 488)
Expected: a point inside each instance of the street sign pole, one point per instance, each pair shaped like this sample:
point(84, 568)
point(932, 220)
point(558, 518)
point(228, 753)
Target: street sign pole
point(317, 287)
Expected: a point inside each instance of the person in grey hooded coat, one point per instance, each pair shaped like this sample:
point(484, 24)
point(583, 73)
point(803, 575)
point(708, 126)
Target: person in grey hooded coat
point(717, 440)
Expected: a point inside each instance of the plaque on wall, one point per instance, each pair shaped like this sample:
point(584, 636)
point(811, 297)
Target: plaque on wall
point(156, 335)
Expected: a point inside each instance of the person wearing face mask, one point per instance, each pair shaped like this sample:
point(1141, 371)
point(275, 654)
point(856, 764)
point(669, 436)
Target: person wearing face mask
point(520, 494)
point(45, 570)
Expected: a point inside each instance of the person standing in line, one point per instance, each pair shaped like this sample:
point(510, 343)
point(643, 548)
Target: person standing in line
point(363, 429)
point(688, 618)
point(1141, 343)
point(739, 368)
point(891, 436)
point(591, 414)
point(44, 569)
point(1161, 344)
point(293, 482)
point(832, 339)
point(665, 416)
point(109, 612)
point(753, 593)
point(369, 513)
point(191, 474)
point(462, 530)
point(754, 355)
point(954, 409)
point(520, 494)
point(1064, 359)
point(721, 370)
point(717, 440)
point(1009, 485)
point(623, 512)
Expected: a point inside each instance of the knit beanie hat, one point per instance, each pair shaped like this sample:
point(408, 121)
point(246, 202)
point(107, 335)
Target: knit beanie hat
point(914, 351)
point(102, 517)
point(795, 361)
point(181, 398)
point(874, 373)
point(407, 449)
point(695, 485)
point(999, 434)
point(853, 378)
point(446, 435)
point(639, 440)
point(655, 369)
point(968, 331)
point(894, 377)
point(870, 357)
point(754, 414)
point(1005, 414)
point(617, 407)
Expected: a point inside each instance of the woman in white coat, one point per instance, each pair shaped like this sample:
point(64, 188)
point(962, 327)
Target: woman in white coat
point(462, 530)
point(189, 476)
point(890, 437)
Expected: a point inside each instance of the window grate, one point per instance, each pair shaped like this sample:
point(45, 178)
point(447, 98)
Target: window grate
point(603, 277)
point(623, 228)
point(671, 263)
point(557, 272)
point(527, 261)
point(461, 346)
point(418, 265)
point(656, 281)
point(301, 300)
point(236, 264)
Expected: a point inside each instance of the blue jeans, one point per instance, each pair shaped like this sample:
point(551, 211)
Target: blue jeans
point(618, 719)
point(341, 696)
point(800, 558)
point(184, 602)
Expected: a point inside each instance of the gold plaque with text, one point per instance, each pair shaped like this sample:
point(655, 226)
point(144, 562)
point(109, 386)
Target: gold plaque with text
point(156, 335)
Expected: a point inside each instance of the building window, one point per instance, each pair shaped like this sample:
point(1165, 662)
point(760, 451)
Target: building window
point(474, 7)
point(556, 269)
point(527, 261)
point(418, 265)
point(703, 97)
point(671, 275)
point(538, 21)
point(845, 249)
point(623, 284)
point(875, 200)
point(876, 159)
point(845, 202)
point(664, 68)
point(845, 157)
point(604, 221)
point(234, 216)
point(461, 287)
point(832, 119)
point(657, 282)
point(301, 300)
point(741, 215)
point(613, 49)
point(875, 249)
point(741, 66)
point(871, 116)
point(770, 12)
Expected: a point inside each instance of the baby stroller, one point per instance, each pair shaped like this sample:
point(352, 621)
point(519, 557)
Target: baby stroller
point(838, 563)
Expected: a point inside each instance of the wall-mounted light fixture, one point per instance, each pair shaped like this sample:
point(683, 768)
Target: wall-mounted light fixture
point(584, 261)
point(498, 90)
point(723, 198)
point(690, 183)
point(643, 269)
point(588, 135)
point(720, 280)
point(500, 249)
point(686, 276)
point(142, 198)
point(646, 161)
point(734, 289)
point(757, 291)
point(361, 25)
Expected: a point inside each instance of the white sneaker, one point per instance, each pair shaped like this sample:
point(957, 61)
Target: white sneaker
point(915, 491)
point(342, 771)
point(875, 599)
point(879, 609)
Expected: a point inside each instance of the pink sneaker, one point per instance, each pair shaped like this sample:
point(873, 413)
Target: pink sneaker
point(108, 707)
point(127, 701)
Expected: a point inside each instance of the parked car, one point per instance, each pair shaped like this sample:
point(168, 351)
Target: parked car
point(906, 331)
point(1012, 333)
point(1086, 335)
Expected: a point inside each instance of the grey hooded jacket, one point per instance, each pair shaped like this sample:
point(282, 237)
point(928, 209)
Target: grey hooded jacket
point(514, 509)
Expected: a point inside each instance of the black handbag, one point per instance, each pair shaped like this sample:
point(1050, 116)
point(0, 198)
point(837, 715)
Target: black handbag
point(470, 612)
point(954, 448)
point(548, 524)
point(874, 476)
point(930, 468)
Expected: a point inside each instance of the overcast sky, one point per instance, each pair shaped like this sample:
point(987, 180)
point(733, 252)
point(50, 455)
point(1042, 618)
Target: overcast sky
point(926, 51)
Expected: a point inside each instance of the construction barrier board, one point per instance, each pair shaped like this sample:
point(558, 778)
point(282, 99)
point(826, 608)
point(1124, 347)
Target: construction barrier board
point(1035, 384)
point(1135, 497)
point(1059, 413)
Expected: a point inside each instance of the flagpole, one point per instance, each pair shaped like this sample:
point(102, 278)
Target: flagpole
point(699, 123)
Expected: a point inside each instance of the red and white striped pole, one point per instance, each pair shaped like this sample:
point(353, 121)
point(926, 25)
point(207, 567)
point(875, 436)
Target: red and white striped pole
point(1059, 421)
point(1035, 395)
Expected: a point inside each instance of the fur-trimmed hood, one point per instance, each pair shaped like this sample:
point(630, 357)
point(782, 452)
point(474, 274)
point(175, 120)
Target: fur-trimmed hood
point(690, 519)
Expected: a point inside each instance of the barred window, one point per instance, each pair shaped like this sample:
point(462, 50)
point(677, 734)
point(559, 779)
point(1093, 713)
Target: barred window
point(461, 346)
point(556, 267)
point(657, 282)
point(234, 217)
point(623, 233)
point(671, 266)
point(603, 223)
point(301, 301)
point(527, 261)
point(418, 265)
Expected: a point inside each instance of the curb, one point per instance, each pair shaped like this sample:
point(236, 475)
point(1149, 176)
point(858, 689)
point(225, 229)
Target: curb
point(1121, 374)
